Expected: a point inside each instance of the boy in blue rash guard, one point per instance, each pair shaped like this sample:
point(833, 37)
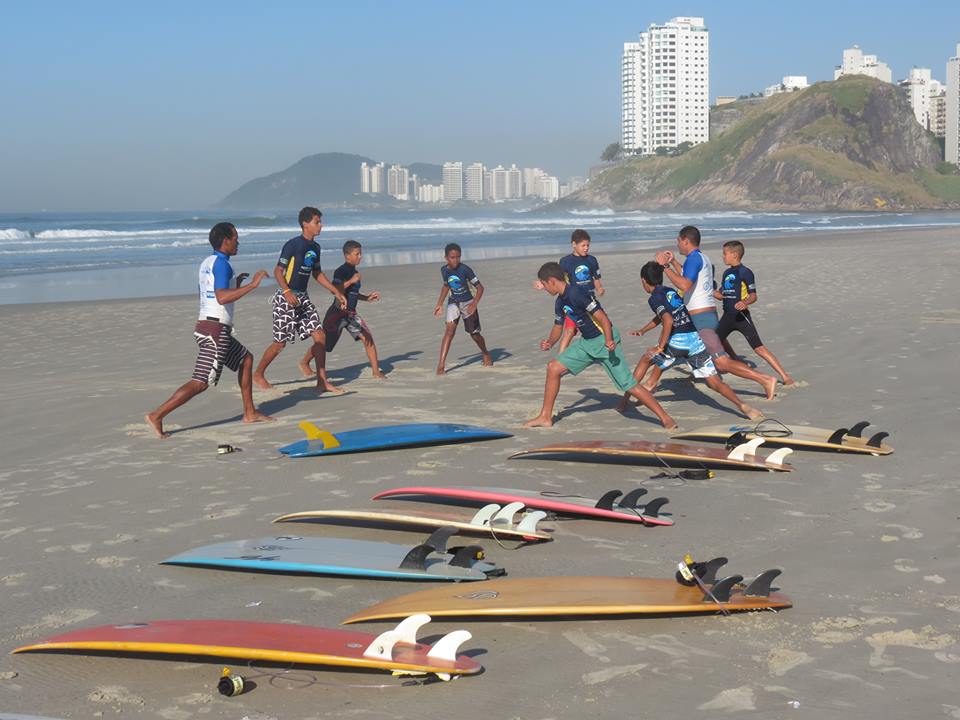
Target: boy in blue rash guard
point(347, 279)
point(457, 281)
point(738, 290)
point(679, 340)
point(599, 343)
point(582, 270)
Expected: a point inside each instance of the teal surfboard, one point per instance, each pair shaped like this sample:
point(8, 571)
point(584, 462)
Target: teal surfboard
point(386, 437)
point(338, 556)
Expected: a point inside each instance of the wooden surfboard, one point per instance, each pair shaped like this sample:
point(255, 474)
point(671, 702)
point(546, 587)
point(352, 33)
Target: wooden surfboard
point(560, 502)
point(490, 521)
point(395, 650)
point(338, 556)
point(387, 437)
point(669, 454)
point(802, 437)
point(546, 597)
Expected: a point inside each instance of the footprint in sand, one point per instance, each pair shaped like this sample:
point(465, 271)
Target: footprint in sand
point(903, 565)
point(879, 506)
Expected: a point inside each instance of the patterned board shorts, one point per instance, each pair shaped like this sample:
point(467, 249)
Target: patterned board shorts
point(218, 348)
point(337, 320)
point(294, 322)
point(471, 323)
point(690, 348)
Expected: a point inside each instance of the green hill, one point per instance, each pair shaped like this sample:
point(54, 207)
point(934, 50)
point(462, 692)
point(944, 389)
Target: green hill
point(851, 144)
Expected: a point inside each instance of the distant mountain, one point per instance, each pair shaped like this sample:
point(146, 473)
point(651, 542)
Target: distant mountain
point(850, 144)
point(322, 179)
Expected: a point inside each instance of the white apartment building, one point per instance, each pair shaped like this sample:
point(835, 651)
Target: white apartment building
point(921, 90)
point(665, 86)
point(398, 182)
point(487, 186)
point(952, 148)
point(938, 114)
point(790, 83)
point(364, 178)
point(549, 188)
point(376, 179)
point(514, 183)
point(856, 63)
point(453, 181)
point(498, 184)
point(473, 182)
point(427, 193)
point(531, 181)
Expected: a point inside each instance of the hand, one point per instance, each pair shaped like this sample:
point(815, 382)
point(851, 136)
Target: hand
point(437, 310)
point(373, 297)
point(651, 352)
point(470, 309)
point(610, 345)
point(545, 344)
point(741, 305)
point(341, 300)
point(537, 285)
point(637, 333)
point(257, 278)
point(600, 292)
point(291, 297)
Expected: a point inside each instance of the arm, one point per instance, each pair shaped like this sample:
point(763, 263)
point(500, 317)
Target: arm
point(227, 295)
point(555, 332)
point(601, 317)
point(472, 305)
point(750, 300)
point(369, 297)
point(325, 283)
point(646, 328)
point(444, 290)
point(666, 330)
point(280, 277)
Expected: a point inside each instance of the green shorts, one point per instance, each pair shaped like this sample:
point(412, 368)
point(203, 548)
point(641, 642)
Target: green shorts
point(583, 353)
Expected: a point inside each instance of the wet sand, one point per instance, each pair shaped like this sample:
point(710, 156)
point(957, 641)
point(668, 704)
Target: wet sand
point(90, 501)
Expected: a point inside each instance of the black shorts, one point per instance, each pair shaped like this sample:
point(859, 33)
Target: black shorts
point(336, 321)
point(743, 324)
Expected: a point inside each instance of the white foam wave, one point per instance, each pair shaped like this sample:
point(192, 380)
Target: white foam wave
point(77, 233)
point(13, 234)
point(597, 211)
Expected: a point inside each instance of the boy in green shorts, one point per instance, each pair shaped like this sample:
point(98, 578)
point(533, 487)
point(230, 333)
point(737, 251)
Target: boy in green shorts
point(598, 343)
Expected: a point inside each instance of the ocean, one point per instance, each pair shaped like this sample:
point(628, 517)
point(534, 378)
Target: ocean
point(56, 257)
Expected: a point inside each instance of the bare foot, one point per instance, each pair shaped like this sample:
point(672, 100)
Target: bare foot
point(487, 360)
point(157, 426)
point(539, 421)
point(327, 387)
point(770, 385)
point(441, 371)
point(379, 375)
point(750, 412)
point(306, 370)
point(673, 426)
point(622, 406)
point(788, 381)
point(258, 417)
point(261, 382)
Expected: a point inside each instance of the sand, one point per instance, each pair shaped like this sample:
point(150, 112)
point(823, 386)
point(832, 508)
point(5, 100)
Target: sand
point(90, 501)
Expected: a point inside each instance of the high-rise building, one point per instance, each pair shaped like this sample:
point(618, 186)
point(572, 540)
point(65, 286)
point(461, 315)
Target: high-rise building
point(938, 114)
point(473, 182)
point(531, 181)
point(414, 186)
point(498, 184)
point(665, 87)
point(364, 178)
point(430, 193)
point(487, 186)
point(549, 188)
point(952, 133)
point(921, 90)
point(453, 181)
point(398, 182)
point(856, 63)
point(376, 179)
point(514, 183)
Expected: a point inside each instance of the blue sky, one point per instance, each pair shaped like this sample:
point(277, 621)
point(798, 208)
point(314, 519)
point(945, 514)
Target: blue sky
point(117, 106)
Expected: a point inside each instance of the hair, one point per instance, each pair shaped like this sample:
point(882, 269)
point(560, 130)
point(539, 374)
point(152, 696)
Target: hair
point(450, 248)
point(652, 273)
point(350, 245)
point(736, 247)
point(690, 233)
point(578, 235)
point(307, 214)
point(220, 232)
point(551, 270)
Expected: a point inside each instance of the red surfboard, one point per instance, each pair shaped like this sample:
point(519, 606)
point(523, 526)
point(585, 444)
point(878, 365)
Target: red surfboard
point(605, 507)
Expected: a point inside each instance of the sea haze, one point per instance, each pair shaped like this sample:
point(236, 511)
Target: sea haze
point(61, 257)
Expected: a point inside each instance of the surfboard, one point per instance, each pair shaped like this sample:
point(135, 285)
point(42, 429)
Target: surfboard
point(396, 650)
point(386, 437)
point(337, 556)
point(490, 521)
point(563, 503)
point(742, 457)
point(776, 434)
point(595, 597)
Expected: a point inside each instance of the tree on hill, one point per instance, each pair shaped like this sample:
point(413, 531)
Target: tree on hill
point(611, 152)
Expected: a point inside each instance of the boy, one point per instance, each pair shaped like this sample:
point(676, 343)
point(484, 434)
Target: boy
point(739, 291)
point(679, 339)
point(457, 279)
point(214, 331)
point(294, 314)
point(582, 270)
point(599, 343)
point(347, 279)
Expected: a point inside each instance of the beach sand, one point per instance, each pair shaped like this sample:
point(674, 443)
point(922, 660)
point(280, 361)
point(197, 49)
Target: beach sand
point(91, 501)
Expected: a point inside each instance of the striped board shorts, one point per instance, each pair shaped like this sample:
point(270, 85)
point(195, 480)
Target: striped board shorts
point(218, 348)
point(294, 322)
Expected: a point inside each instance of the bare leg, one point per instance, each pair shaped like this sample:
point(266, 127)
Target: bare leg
point(550, 391)
point(481, 343)
point(371, 351)
point(715, 383)
point(729, 348)
point(269, 355)
point(774, 363)
point(654, 380)
point(646, 398)
point(445, 347)
point(181, 395)
point(319, 351)
point(244, 379)
point(638, 372)
point(304, 364)
point(735, 367)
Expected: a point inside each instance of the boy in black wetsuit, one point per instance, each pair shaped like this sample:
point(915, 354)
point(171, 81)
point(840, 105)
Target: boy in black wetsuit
point(738, 290)
point(346, 278)
point(457, 281)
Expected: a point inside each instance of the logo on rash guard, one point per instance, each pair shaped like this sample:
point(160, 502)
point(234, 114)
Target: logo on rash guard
point(455, 283)
point(568, 311)
point(582, 273)
point(674, 299)
point(309, 258)
point(728, 281)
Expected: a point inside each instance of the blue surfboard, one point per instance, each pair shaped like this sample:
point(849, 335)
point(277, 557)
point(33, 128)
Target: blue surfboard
point(339, 556)
point(386, 437)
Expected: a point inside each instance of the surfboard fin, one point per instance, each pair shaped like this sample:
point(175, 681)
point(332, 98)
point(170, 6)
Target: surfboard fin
point(747, 448)
point(721, 589)
point(760, 585)
point(314, 433)
point(653, 507)
point(465, 556)
point(706, 571)
point(408, 627)
point(630, 499)
point(738, 438)
point(446, 649)
point(484, 514)
point(530, 520)
point(837, 437)
point(505, 516)
point(382, 646)
point(777, 456)
point(416, 559)
point(607, 499)
point(438, 540)
point(877, 439)
point(857, 430)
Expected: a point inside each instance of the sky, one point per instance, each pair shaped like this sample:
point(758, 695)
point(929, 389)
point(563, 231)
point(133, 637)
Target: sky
point(111, 106)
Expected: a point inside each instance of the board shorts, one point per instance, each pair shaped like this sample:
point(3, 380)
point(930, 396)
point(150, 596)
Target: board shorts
point(471, 323)
point(337, 320)
point(583, 353)
point(690, 348)
point(743, 324)
point(706, 324)
point(294, 322)
point(218, 348)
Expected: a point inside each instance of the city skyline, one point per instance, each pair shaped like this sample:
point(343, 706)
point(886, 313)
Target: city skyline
point(121, 107)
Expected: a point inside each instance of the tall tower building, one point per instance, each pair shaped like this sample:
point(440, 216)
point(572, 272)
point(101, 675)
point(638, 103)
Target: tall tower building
point(398, 182)
point(473, 182)
point(453, 181)
point(952, 148)
point(921, 90)
point(376, 179)
point(364, 178)
point(665, 87)
point(856, 63)
point(514, 183)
